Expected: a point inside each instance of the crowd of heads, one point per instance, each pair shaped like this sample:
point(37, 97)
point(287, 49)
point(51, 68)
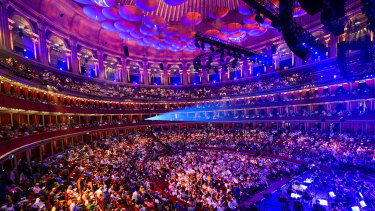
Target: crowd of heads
point(102, 176)
point(216, 179)
point(107, 174)
point(329, 149)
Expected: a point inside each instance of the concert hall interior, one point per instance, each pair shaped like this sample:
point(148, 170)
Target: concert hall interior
point(184, 105)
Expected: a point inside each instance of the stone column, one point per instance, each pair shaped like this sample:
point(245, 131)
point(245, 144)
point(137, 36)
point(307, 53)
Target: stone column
point(105, 65)
point(101, 64)
point(224, 74)
point(10, 40)
point(185, 80)
point(96, 65)
point(124, 70)
point(119, 72)
point(165, 73)
point(4, 28)
point(204, 77)
point(43, 51)
point(68, 60)
point(37, 53)
point(75, 59)
point(188, 77)
point(145, 72)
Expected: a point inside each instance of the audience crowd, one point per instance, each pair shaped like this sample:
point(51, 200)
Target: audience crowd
point(215, 180)
point(101, 176)
point(328, 149)
point(106, 175)
point(8, 131)
point(91, 88)
point(340, 109)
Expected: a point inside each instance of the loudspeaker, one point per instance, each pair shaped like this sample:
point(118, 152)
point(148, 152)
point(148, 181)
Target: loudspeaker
point(126, 50)
point(341, 60)
point(161, 66)
point(292, 32)
point(365, 56)
point(273, 49)
point(312, 7)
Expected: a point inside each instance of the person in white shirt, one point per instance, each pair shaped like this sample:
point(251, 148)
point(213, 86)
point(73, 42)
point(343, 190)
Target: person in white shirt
point(135, 196)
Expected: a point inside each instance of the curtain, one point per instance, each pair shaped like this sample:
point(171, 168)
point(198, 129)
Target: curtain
point(41, 95)
point(7, 87)
point(25, 92)
point(5, 119)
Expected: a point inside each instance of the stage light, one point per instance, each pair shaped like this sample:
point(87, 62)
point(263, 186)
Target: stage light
point(221, 58)
point(197, 44)
point(212, 49)
point(259, 18)
point(202, 45)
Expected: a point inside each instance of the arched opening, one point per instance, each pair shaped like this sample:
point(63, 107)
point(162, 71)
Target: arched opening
point(23, 38)
point(134, 73)
point(175, 77)
point(111, 69)
point(88, 63)
point(58, 53)
point(195, 76)
point(155, 74)
point(285, 55)
point(214, 73)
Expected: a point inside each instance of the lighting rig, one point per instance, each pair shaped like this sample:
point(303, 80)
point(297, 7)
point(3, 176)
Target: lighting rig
point(225, 55)
point(267, 8)
point(299, 40)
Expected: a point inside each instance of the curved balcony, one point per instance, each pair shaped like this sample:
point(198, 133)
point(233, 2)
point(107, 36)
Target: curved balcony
point(322, 73)
point(27, 142)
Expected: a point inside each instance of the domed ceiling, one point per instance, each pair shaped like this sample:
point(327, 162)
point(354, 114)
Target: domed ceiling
point(171, 24)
